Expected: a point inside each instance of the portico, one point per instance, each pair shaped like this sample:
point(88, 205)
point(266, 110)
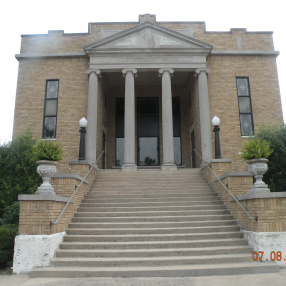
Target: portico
point(143, 50)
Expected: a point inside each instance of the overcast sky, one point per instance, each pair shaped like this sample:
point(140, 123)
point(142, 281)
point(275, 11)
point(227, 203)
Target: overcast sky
point(37, 17)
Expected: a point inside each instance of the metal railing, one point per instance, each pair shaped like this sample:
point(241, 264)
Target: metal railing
point(92, 167)
point(235, 199)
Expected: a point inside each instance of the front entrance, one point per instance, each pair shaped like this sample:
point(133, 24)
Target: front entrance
point(148, 131)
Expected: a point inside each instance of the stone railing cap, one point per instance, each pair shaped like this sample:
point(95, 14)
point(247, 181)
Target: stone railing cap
point(32, 197)
point(260, 196)
point(76, 176)
point(82, 162)
point(233, 174)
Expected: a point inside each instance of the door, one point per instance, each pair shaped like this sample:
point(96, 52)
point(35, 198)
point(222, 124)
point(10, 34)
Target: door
point(103, 149)
point(148, 131)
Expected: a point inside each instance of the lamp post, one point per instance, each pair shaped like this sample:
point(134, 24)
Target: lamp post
point(82, 124)
point(215, 122)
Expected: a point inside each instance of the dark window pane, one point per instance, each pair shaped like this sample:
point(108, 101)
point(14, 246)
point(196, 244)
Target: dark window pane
point(50, 127)
point(148, 151)
point(176, 106)
point(246, 124)
point(120, 107)
point(119, 152)
point(242, 86)
point(177, 150)
point(51, 107)
point(142, 107)
point(52, 89)
point(153, 106)
point(244, 105)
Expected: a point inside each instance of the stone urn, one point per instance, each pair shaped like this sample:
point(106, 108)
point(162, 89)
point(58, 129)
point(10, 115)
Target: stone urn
point(257, 168)
point(46, 169)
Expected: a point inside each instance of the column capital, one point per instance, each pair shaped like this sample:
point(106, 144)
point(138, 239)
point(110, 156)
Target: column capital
point(96, 71)
point(199, 70)
point(124, 71)
point(170, 70)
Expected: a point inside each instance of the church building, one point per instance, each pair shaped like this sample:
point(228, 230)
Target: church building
point(148, 90)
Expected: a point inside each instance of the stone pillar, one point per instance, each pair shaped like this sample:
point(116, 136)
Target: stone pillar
point(91, 132)
point(129, 121)
point(205, 119)
point(167, 120)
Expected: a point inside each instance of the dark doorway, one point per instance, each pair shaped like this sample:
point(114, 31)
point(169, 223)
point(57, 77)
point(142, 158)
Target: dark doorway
point(103, 149)
point(193, 146)
point(148, 131)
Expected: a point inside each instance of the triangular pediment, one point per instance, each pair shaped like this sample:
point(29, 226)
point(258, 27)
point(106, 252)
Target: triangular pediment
point(147, 36)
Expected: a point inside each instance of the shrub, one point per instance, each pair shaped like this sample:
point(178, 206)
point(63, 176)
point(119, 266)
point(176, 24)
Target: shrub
point(7, 236)
point(48, 150)
point(18, 169)
point(11, 214)
point(255, 148)
point(275, 177)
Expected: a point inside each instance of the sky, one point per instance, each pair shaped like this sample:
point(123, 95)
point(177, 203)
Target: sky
point(37, 17)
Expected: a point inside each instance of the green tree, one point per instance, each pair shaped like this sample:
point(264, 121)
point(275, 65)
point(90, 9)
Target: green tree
point(18, 169)
point(275, 177)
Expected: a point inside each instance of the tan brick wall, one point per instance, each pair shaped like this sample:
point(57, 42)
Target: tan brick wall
point(58, 42)
point(265, 97)
point(36, 216)
point(270, 212)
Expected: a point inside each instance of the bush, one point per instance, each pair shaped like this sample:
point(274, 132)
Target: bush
point(255, 148)
point(48, 150)
point(275, 177)
point(18, 169)
point(11, 214)
point(7, 236)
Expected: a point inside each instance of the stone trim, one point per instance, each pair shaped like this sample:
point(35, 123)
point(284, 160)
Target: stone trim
point(50, 55)
point(260, 196)
point(76, 176)
point(83, 162)
point(55, 198)
point(233, 174)
point(215, 161)
point(244, 53)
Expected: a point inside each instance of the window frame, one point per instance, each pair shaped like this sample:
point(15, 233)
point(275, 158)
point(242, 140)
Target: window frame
point(46, 116)
point(250, 103)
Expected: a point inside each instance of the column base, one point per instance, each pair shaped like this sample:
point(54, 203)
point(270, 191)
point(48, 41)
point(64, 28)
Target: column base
point(168, 167)
point(129, 168)
point(259, 190)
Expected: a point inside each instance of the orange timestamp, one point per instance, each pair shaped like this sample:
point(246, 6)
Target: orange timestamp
point(273, 256)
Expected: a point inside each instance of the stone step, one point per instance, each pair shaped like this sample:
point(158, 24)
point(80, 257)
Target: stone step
point(166, 219)
point(91, 208)
point(153, 252)
point(150, 213)
point(151, 261)
point(153, 237)
point(157, 271)
point(151, 195)
point(151, 224)
point(143, 231)
point(201, 202)
point(227, 242)
point(108, 199)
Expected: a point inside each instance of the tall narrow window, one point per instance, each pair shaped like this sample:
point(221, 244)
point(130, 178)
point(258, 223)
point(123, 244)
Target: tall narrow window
point(245, 108)
point(51, 106)
point(119, 133)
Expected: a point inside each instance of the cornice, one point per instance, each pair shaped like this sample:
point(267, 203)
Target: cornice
point(244, 53)
point(49, 55)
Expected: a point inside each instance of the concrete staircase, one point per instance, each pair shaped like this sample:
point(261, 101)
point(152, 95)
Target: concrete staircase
point(152, 223)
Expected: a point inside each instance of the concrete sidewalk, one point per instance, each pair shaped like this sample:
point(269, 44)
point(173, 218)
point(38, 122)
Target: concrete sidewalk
point(276, 279)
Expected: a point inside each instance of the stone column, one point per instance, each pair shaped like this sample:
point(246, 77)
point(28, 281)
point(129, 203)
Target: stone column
point(205, 119)
point(91, 132)
point(129, 121)
point(167, 120)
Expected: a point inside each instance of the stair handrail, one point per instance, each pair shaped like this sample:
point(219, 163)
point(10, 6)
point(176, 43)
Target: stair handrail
point(93, 166)
point(224, 186)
